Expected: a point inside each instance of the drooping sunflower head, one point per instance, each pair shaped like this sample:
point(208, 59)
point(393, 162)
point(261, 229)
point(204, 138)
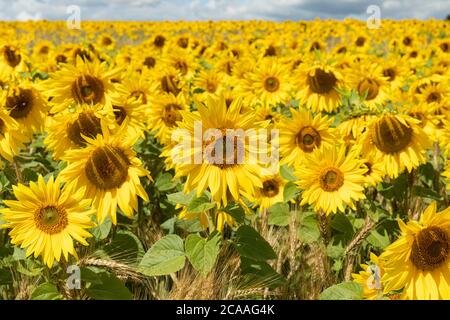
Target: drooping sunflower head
point(317, 86)
point(271, 191)
point(165, 114)
point(395, 140)
point(109, 171)
point(68, 130)
point(13, 58)
point(25, 104)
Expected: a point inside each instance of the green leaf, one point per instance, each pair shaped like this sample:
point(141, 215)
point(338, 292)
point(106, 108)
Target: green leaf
point(101, 231)
point(343, 291)
point(46, 291)
point(108, 287)
point(181, 198)
point(164, 257)
point(235, 211)
point(426, 193)
point(5, 276)
point(165, 182)
point(279, 214)
point(308, 231)
point(251, 244)
point(125, 246)
point(290, 191)
point(29, 268)
point(341, 223)
point(287, 173)
point(379, 241)
point(260, 273)
point(200, 204)
point(202, 253)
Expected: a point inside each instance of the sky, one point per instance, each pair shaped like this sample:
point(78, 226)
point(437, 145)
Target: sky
point(277, 10)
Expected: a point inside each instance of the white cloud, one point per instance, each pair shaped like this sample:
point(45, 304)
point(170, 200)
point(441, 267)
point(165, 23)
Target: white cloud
point(220, 9)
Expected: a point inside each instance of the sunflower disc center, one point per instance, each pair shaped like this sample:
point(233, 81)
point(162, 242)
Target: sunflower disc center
point(51, 219)
point(107, 167)
point(369, 86)
point(270, 188)
point(308, 138)
point(20, 103)
point(430, 248)
point(322, 81)
point(272, 84)
point(390, 135)
point(331, 179)
point(11, 56)
point(171, 114)
point(88, 89)
point(87, 124)
point(120, 114)
point(225, 151)
point(170, 85)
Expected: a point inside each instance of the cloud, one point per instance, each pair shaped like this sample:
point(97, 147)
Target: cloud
point(277, 10)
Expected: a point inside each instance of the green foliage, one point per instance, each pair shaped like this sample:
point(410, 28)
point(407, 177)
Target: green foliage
point(164, 257)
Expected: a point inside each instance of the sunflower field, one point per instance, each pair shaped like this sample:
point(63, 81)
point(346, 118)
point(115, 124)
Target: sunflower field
point(130, 168)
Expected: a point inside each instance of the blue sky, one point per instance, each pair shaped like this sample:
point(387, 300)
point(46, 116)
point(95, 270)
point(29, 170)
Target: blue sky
point(220, 9)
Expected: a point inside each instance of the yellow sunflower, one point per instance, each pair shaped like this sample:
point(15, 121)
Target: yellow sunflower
point(109, 171)
point(272, 191)
point(418, 262)
point(87, 82)
point(25, 104)
point(208, 164)
point(330, 179)
point(268, 84)
point(302, 134)
point(45, 219)
point(11, 136)
point(317, 86)
point(66, 131)
point(395, 140)
point(164, 115)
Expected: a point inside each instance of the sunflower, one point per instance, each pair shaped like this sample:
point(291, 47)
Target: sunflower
point(109, 171)
point(164, 115)
point(318, 86)
point(208, 83)
point(25, 104)
point(66, 131)
point(13, 58)
point(418, 262)
point(370, 278)
point(269, 83)
point(210, 164)
point(375, 172)
point(272, 191)
point(12, 137)
point(302, 134)
point(88, 82)
point(45, 219)
point(395, 140)
point(369, 82)
point(330, 179)
point(435, 95)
